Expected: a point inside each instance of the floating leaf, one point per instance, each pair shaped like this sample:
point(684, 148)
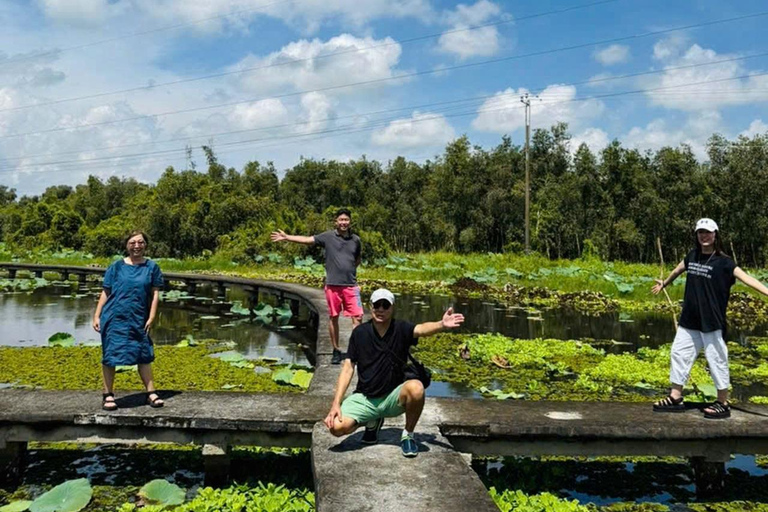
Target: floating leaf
point(284, 311)
point(61, 339)
point(643, 385)
point(125, 368)
point(242, 364)
point(301, 378)
point(16, 506)
point(263, 310)
point(162, 492)
point(210, 317)
point(283, 376)
point(238, 309)
point(71, 496)
point(231, 357)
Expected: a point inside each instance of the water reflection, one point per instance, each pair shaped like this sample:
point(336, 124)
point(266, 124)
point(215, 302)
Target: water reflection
point(631, 331)
point(30, 318)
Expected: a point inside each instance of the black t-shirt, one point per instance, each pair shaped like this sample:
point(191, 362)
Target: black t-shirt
point(707, 290)
point(378, 370)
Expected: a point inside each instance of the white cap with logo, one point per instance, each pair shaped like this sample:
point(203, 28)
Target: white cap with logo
point(706, 224)
point(382, 294)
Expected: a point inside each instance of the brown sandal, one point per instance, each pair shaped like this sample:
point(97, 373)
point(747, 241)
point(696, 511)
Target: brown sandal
point(156, 402)
point(106, 404)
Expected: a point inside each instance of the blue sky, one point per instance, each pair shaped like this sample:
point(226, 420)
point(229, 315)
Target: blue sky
point(338, 79)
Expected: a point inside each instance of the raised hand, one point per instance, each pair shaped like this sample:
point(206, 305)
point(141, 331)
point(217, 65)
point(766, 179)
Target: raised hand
point(452, 320)
point(278, 236)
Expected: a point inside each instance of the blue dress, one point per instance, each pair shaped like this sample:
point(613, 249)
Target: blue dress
point(129, 298)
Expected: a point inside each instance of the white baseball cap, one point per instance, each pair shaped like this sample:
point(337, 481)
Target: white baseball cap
point(382, 294)
point(706, 224)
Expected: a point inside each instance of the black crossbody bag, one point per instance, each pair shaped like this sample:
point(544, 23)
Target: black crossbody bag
point(415, 369)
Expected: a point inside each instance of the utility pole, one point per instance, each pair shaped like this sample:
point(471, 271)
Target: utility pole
point(525, 100)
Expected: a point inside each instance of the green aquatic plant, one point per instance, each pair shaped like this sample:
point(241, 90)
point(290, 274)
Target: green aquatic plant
point(299, 378)
point(16, 506)
point(518, 501)
point(61, 339)
point(163, 493)
point(71, 496)
point(79, 367)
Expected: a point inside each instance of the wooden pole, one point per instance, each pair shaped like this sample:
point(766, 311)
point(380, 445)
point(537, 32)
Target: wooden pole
point(661, 274)
point(733, 253)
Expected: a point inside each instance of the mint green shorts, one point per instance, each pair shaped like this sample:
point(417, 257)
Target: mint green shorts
point(363, 409)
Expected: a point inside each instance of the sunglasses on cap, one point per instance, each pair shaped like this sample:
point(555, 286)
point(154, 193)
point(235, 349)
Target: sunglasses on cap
point(382, 304)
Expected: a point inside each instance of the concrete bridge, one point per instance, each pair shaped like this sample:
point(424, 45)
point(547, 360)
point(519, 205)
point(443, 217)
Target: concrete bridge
point(351, 477)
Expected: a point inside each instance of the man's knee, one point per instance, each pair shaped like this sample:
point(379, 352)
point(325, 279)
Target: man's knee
point(342, 428)
point(414, 389)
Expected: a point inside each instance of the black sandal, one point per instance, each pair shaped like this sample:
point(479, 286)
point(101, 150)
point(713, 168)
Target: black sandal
point(156, 402)
point(669, 404)
point(108, 405)
point(721, 410)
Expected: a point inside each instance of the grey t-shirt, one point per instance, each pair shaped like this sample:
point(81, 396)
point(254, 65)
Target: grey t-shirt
point(340, 257)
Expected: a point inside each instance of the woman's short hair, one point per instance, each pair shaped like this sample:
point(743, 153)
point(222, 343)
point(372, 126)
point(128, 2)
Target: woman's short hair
point(136, 232)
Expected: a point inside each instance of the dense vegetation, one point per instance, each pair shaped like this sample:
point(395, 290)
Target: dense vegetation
point(613, 204)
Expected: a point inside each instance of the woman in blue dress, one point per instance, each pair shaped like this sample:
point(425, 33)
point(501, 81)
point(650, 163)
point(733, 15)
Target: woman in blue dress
point(124, 316)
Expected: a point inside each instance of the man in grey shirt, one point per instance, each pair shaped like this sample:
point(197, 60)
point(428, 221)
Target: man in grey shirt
point(342, 257)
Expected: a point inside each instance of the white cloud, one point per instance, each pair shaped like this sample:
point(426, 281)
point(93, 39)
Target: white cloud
point(79, 12)
point(716, 85)
point(421, 129)
point(756, 127)
point(614, 54)
point(669, 47)
point(300, 64)
point(258, 114)
point(471, 43)
point(309, 15)
point(595, 138)
point(317, 111)
point(659, 133)
point(504, 113)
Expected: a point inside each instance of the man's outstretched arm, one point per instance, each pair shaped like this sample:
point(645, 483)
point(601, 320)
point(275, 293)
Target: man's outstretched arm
point(450, 320)
point(281, 236)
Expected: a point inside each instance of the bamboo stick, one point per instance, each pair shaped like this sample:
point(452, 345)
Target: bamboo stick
point(661, 273)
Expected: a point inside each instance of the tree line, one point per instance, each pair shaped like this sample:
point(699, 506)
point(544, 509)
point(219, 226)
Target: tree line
point(612, 204)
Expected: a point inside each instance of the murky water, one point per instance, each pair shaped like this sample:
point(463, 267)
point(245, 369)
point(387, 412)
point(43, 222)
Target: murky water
point(30, 318)
point(632, 331)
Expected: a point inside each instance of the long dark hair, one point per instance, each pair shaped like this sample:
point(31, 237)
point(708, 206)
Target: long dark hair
point(718, 244)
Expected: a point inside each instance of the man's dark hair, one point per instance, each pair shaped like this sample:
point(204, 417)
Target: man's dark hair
point(343, 211)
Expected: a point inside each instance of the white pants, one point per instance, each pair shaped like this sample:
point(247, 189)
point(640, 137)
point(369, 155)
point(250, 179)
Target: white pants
point(687, 345)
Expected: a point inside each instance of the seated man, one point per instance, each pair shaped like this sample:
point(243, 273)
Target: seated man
point(380, 348)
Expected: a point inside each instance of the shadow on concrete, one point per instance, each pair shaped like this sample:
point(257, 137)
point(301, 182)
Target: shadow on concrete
point(140, 399)
point(390, 436)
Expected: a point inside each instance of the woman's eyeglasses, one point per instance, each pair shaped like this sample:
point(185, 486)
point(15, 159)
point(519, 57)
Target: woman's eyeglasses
point(382, 304)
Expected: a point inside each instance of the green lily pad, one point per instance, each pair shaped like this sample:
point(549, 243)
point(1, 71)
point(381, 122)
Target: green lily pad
point(16, 506)
point(71, 496)
point(232, 357)
point(61, 339)
point(263, 310)
point(238, 309)
point(301, 378)
point(162, 492)
point(283, 376)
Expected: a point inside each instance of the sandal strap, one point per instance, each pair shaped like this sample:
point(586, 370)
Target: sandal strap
point(104, 396)
point(720, 407)
point(669, 401)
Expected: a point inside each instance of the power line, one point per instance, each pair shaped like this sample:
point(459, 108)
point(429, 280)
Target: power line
point(428, 105)
point(306, 59)
point(142, 33)
point(397, 77)
point(379, 123)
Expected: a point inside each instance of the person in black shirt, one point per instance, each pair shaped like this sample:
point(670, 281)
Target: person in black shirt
point(711, 273)
point(379, 348)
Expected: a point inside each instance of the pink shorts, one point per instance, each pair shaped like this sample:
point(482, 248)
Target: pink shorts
point(346, 298)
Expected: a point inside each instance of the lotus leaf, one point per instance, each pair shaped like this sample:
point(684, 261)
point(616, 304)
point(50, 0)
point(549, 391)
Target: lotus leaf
point(283, 376)
point(263, 310)
point(238, 309)
point(16, 506)
point(71, 496)
point(61, 339)
point(232, 357)
point(301, 378)
point(162, 492)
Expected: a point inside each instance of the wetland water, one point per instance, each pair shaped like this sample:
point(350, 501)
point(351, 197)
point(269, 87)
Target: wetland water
point(29, 318)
